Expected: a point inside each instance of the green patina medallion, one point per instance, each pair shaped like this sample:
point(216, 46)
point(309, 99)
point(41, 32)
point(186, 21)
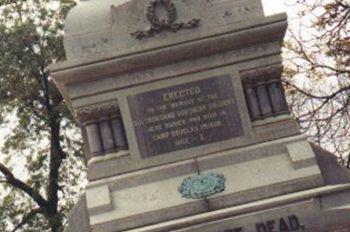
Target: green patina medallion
point(202, 186)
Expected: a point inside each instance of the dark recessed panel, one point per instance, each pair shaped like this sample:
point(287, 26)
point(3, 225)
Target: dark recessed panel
point(185, 116)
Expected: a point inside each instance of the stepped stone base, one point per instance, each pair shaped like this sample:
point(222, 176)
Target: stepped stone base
point(320, 209)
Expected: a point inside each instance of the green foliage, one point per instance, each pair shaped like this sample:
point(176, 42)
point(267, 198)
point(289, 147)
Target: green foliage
point(44, 135)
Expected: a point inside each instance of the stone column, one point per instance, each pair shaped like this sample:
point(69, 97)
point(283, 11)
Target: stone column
point(104, 128)
point(94, 139)
point(279, 102)
point(252, 102)
point(107, 135)
point(264, 100)
point(119, 134)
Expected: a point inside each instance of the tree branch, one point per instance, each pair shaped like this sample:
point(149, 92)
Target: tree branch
point(12, 180)
point(27, 218)
point(307, 57)
point(56, 157)
point(325, 97)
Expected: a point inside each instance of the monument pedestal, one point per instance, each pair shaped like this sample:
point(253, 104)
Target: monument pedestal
point(186, 125)
point(310, 193)
point(323, 209)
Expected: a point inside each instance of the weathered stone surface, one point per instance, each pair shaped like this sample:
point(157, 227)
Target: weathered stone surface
point(260, 175)
point(231, 51)
point(124, 52)
point(301, 154)
point(98, 200)
point(96, 27)
point(274, 212)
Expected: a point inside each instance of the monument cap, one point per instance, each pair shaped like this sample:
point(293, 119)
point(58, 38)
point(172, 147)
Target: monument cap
point(98, 29)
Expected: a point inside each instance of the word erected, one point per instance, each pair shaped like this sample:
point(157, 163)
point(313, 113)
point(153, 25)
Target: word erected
point(288, 224)
point(185, 116)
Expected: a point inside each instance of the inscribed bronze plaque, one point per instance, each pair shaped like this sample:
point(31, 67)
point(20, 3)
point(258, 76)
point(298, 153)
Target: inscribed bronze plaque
point(185, 116)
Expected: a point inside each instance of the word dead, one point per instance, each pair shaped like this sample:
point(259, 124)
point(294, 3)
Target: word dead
point(288, 224)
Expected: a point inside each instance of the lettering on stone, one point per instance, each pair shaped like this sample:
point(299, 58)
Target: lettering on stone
point(185, 116)
point(283, 224)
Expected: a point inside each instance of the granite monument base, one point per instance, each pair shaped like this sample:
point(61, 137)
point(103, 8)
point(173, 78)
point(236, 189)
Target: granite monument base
point(324, 208)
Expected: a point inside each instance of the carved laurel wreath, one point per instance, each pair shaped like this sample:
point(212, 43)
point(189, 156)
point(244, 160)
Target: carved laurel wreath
point(158, 25)
point(154, 19)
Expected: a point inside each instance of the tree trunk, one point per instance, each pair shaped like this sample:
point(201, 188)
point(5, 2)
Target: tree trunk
point(55, 223)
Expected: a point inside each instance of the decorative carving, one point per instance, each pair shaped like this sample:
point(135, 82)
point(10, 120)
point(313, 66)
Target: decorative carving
point(98, 111)
point(202, 186)
point(158, 25)
point(261, 75)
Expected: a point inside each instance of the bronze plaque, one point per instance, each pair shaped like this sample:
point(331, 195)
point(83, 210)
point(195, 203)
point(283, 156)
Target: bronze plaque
point(185, 116)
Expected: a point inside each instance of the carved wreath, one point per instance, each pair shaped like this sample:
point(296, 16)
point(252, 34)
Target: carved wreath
point(158, 25)
point(202, 186)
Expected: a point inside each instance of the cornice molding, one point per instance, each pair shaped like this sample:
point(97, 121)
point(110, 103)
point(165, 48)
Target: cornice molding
point(70, 73)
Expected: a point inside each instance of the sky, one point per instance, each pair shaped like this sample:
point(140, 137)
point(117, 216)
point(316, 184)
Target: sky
point(275, 6)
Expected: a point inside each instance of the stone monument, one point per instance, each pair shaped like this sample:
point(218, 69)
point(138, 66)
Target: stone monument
point(186, 125)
